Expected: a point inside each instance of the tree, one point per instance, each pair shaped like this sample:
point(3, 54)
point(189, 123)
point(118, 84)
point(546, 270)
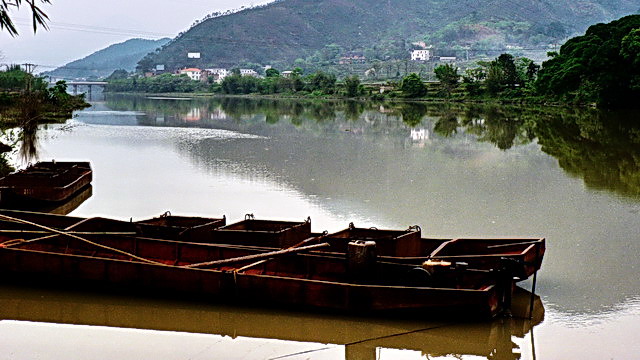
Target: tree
point(448, 76)
point(272, 73)
point(352, 85)
point(472, 78)
point(412, 86)
point(600, 66)
point(495, 79)
point(506, 64)
point(39, 18)
point(321, 81)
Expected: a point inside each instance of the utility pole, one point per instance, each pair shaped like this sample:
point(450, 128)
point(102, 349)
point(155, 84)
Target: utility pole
point(29, 67)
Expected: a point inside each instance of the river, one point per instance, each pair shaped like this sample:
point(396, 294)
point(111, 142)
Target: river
point(571, 176)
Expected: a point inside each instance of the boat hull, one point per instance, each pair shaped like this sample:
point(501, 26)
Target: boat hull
point(46, 182)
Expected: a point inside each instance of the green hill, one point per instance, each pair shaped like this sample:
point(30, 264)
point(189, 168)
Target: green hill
point(320, 31)
point(103, 62)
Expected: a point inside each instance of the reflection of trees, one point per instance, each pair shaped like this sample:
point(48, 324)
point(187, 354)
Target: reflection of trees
point(29, 142)
point(353, 110)
point(412, 113)
point(601, 148)
point(503, 129)
point(447, 125)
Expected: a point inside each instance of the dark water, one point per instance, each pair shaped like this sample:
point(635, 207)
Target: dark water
point(570, 176)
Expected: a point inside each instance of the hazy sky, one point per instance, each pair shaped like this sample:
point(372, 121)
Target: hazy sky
point(80, 27)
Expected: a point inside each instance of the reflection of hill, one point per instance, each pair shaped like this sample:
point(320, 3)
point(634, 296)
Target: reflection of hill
point(361, 336)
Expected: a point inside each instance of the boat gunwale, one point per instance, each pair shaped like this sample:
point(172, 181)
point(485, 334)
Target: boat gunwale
point(485, 289)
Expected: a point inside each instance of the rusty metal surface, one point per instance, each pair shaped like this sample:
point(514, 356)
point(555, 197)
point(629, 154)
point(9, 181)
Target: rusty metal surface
point(46, 181)
point(301, 281)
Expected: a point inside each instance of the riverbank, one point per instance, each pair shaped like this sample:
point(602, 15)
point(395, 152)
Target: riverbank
point(25, 110)
point(531, 101)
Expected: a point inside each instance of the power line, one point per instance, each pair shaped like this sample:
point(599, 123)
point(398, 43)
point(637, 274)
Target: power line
point(97, 29)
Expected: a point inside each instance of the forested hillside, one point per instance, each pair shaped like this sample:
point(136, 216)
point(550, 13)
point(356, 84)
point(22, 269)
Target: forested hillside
point(320, 31)
point(103, 62)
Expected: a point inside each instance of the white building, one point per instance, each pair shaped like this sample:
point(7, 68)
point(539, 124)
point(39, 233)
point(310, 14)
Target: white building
point(448, 59)
point(192, 73)
point(421, 55)
point(248, 72)
point(218, 74)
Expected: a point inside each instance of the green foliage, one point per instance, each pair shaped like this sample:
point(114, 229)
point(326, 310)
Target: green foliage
point(600, 66)
point(270, 73)
point(352, 86)
point(448, 76)
point(506, 64)
point(412, 86)
point(164, 83)
point(39, 18)
point(25, 98)
point(381, 30)
point(322, 82)
point(238, 84)
point(14, 79)
point(472, 80)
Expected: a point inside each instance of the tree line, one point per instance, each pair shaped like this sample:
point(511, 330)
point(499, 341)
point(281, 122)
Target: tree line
point(601, 67)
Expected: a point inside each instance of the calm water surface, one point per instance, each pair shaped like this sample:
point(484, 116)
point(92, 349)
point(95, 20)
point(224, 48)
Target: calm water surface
point(570, 176)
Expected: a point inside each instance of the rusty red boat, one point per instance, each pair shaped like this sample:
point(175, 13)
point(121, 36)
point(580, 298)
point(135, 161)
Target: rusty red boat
point(45, 182)
point(74, 251)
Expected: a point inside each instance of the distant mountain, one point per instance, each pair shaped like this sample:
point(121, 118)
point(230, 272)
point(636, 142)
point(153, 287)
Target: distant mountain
point(322, 30)
point(103, 62)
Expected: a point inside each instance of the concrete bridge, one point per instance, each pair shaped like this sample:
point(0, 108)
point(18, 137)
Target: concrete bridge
point(89, 84)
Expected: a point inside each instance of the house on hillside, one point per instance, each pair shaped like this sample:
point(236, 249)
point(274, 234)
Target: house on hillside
point(421, 55)
point(248, 72)
point(286, 74)
point(192, 73)
point(218, 74)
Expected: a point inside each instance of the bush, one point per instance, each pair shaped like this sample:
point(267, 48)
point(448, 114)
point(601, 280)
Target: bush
point(412, 86)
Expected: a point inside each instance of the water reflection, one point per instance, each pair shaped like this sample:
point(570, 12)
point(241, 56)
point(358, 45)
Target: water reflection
point(601, 148)
point(360, 337)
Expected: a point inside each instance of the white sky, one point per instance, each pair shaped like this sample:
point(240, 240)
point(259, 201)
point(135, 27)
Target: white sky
point(80, 27)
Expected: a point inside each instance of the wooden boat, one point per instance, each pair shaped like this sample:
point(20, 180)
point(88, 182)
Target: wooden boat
point(45, 182)
point(232, 273)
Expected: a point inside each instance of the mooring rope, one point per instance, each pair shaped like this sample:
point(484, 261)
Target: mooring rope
point(59, 232)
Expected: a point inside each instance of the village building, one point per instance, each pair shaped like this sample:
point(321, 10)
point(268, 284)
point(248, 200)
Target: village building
point(421, 55)
point(192, 73)
point(218, 74)
point(248, 72)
